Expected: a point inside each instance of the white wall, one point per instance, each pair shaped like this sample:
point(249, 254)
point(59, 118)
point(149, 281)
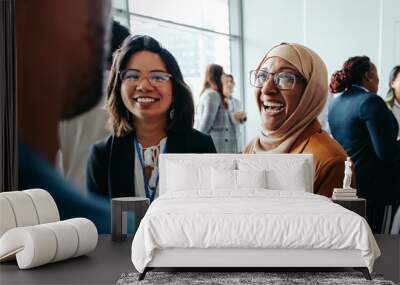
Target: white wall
point(390, 43)
point(335, 29)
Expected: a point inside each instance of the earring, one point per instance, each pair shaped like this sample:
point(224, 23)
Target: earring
point(171, 114)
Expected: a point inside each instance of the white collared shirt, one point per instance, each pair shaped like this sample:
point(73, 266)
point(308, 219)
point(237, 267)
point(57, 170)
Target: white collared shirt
point(362, 87)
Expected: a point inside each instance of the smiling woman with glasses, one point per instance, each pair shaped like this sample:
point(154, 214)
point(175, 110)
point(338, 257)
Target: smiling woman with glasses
point(151, 112)
point(291, 87)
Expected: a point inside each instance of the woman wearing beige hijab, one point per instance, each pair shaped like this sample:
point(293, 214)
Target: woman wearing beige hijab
point(291, 87)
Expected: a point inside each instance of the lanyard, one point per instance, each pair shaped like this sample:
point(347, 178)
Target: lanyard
point(148, 190)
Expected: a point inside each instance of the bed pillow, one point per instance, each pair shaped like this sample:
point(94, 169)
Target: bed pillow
point(281, 174)
point(184, 175)
point(291, 180)
point(251, 178)
point(222, 179)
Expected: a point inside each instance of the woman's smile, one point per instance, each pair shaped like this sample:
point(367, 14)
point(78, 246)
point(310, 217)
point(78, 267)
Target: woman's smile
point(272, 108)
point(146, 100)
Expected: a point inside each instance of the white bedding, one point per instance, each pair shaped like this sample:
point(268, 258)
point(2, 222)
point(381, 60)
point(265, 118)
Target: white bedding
point(252, 218)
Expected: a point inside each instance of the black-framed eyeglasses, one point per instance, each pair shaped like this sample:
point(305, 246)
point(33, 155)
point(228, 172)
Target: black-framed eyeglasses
point(283, 80)
point(156, 78)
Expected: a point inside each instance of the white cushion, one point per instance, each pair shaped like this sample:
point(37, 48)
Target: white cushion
point(7, 218)
point(45, 205)
point(292, 180)
point(23, 208)
point(40, 244)
point(193, 175)
point(183, 177)
point(281, 174)
point(223, 179)
point(31, 246)
point(251, 178)
point(66, 237)
point(87, 235)
point(26, 208)
point(31, 232)
point(293, 172)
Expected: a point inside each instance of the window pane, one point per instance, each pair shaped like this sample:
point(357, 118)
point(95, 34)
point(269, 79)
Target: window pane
point(193, 50)
point(121, 17)
point(119, 4)
point(208, 14)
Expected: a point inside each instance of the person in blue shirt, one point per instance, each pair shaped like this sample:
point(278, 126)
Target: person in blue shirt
point(360, 121)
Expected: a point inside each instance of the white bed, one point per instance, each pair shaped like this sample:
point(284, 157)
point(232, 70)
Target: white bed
point(247, 211)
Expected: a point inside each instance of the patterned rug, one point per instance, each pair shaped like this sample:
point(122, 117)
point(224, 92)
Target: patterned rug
point(270, 278)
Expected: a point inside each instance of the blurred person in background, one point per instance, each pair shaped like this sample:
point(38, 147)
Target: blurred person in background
point(235, 109)
point(360, 121)
point(213, 116)
point(78, 134)
point(393, 95)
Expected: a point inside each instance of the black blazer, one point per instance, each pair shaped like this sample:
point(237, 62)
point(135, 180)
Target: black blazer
point(110, 168)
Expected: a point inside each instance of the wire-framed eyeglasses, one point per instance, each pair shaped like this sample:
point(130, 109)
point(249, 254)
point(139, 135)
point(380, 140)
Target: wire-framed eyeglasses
point(155, 78)
point(283, 80)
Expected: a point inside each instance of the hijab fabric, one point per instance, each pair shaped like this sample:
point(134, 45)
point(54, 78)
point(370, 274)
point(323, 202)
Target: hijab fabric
point(311, 104)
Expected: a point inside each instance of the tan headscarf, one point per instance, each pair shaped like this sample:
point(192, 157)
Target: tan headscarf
point(312, 68)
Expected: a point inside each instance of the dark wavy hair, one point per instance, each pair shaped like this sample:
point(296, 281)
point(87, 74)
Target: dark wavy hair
point(352, 72)
point(121, 120)
point(213, 80)
point(393, 74)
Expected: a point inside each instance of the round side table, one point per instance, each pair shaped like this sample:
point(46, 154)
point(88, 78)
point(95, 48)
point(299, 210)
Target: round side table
point(136, 205)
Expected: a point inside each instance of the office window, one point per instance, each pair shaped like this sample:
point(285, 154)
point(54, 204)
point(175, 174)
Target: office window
point(197, 33)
